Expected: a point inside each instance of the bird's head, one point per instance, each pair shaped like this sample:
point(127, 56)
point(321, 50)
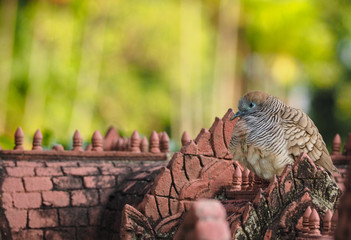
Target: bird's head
point(250, 103)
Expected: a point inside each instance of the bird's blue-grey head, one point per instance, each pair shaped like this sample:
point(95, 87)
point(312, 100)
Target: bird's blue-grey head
point(250, 103)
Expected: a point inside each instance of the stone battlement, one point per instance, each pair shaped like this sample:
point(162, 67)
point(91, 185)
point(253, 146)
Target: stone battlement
point(120, 187)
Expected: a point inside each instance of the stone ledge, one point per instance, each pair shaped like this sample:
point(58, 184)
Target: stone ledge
point(81, 156)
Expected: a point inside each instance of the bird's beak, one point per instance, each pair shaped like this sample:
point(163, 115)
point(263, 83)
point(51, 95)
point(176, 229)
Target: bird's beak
point(237, 114)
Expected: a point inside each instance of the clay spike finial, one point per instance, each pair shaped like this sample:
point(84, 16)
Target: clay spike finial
point(144, 145)
point(336, 145)
point(96, 141)
point(251, 180)
point(119, 145)
point(37, 140)
point(306, 220)
point(77, 141)
point(185, 138)
point(126, 144)
point(238, 172)
point(245, 179)
point(19, 139)
point(257, 181)
point(237, 179)
point(160, 135)
point(327, 222)
point(135, 142)
point(110, 139)
point(334, 221)
point(154, 143)
point(314, 223)
point(58, 147)
point(164, 143)
point(88, 148)
point(111, 131)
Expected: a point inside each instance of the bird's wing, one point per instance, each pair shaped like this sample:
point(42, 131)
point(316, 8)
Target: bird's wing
point(238, 137)
point(303, 136)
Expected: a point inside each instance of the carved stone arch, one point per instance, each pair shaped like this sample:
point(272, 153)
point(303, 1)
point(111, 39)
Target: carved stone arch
point(201, 169)
point(204, 168)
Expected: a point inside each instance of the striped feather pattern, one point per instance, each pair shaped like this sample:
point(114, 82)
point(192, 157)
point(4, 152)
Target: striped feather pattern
point(272, 135)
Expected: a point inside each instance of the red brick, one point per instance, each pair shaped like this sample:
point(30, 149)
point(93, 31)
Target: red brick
point(17, 218)
point(48, 171)
point(217, 139)
point(141, 176)
point(110, 219)
point(163, 206)
point(27, 200)
point(176, 165)
point(203, 143)
point(7, 201)
point(8, 163)
point(228, 126)
point(99, 181)
point(91, 233)
point(206, 160)
point(105, 194)
point(191, 191)
point(162, 183)
point(56, 198)
point(131, 187)
point(12, 184)
point(62, 164)
point(192, 167)
point(96, 164)
point(42, 218)
point(81, 171)
point(150, 208)
point(115, 171)
point(95, 214)
point(152, 167)
point(27, 234)
point(30, 164)
point(224, 178)
point(20, 171)
point(73, 217)
point(67, 182)
point(60, 234)
point(37, 183)
point(190, 148)
point(85, 198)
point(173, 206)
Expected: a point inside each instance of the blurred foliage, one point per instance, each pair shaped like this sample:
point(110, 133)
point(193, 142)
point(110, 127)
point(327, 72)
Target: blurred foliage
point(163, 65)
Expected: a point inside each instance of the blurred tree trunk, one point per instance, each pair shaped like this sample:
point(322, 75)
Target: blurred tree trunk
point(227, 87)
point(187, 100)
point(87, 86)
point(38, 74)
point(8, 13)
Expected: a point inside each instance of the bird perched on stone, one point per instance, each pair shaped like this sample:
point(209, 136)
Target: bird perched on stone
point(269, 135)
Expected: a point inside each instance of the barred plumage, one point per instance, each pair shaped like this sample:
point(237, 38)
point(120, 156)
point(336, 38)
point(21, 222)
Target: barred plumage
point(269, 135)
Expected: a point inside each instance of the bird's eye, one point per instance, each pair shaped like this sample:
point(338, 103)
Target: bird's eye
point(251, 105)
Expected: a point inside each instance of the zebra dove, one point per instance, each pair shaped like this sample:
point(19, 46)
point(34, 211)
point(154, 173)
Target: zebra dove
point(269, 135)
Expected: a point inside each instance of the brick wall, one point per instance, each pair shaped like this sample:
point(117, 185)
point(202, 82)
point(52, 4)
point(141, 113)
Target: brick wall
point(75, 194)
point(71, 199)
